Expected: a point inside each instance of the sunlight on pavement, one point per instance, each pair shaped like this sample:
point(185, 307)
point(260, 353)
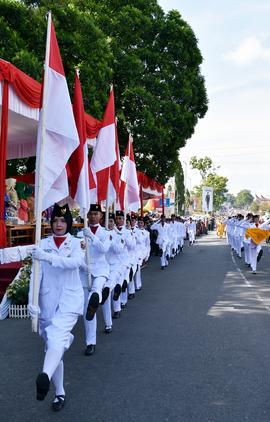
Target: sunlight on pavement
point(237, 297)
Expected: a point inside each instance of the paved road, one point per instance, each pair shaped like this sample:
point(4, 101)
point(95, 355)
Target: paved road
point(193, 346)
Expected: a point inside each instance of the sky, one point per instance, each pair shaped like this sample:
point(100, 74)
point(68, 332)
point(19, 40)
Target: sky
point(234, 39)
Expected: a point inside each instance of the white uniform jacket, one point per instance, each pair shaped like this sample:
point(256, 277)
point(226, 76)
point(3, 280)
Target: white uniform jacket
point(163, 233)
point(129, 240)
point(116, 250)
point(99, 244)
point(59, 283)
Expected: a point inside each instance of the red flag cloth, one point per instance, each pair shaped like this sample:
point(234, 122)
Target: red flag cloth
point(104, 154)
point(78, 163)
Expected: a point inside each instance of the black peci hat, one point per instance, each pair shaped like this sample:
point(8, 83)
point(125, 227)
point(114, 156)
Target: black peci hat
point(95, 207)
point(63, 211)
point(111, 216)
point(119, 213)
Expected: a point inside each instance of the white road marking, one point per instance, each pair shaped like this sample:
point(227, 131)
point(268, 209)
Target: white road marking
point(257, 295)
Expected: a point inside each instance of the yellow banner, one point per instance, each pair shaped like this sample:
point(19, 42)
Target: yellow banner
point(257, 235)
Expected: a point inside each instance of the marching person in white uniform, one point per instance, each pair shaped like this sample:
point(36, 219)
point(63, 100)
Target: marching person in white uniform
point(125, 264)
point(144, 252)
point(191, 230)
point(60, 300)
point(99, 267)
point(173, 235)
point(114, 258)
point(163, 239)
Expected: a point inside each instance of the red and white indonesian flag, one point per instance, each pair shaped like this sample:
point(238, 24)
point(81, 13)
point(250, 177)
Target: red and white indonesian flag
point(130, 193)
point(115, 172)
point(79, 183)
point(104, 155)
point(57, 133)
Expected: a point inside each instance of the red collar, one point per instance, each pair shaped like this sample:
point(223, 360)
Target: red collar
point(59, 240)
point(93, 229)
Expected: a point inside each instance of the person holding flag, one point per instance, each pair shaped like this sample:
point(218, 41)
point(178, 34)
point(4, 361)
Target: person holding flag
point(56, 294)
point(60, 300)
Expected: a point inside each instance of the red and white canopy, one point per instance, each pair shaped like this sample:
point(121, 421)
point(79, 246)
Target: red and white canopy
point(20, 98)
point(149, 187)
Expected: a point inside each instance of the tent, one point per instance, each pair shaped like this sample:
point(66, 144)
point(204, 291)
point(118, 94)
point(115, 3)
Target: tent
point(149, 188)
point(20, 98)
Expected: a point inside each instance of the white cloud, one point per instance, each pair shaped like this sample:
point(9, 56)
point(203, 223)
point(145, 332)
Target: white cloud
point(249, 51)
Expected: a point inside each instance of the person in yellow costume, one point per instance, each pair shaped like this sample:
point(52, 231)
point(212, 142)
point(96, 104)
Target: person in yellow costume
point(220, 229)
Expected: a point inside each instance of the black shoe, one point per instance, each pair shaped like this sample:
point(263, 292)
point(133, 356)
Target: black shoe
point(163, 267)
point(90, 350)
point(181, 248)
point(105, 295)
point(123, 305)
point(107, 330)
point(59, 404)
point(92, 306)
point(43, 385)
point(131, 296)
point(117, 292)
point(116, 315)
point(137, 290)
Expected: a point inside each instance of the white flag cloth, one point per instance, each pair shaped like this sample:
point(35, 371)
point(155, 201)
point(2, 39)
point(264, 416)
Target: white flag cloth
point(129, 181)
point(57, 134)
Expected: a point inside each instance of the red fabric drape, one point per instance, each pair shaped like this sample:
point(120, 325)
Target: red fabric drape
point(3, 154)
point(27, 89)
point(148, 183)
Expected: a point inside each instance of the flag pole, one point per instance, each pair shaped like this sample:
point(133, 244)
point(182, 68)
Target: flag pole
point(85, 224)
point(125, 195)
point(39, 173)
point(107, 198)
point(107, 203)
point(89, 278)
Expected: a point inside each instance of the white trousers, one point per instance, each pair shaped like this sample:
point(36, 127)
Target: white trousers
point(247, 252)
point(138, 278)
point(107, 311)
point(57, 336)
point(253, 257)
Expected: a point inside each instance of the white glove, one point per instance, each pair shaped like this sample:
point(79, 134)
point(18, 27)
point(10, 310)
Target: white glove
point(41, 255)
point(87, 233)
point(33, 310)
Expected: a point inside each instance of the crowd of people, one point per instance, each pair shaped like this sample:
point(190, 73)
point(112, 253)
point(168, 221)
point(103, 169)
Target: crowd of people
point(100, 267)
point(244, 241)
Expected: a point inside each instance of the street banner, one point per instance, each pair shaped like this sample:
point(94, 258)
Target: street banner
point(207, 199)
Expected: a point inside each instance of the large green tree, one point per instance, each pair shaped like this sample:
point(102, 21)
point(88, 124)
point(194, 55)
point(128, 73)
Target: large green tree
point(244, 199)
point(152, 58)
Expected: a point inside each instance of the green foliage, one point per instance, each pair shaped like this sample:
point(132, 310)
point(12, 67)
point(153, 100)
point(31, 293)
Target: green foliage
point(204, 165)
point(152, 58)
point(18, 290)
point(180, 188)
point(244, 198)
point(230, 198)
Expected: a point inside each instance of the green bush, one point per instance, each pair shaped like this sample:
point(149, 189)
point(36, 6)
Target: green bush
point(18, 290)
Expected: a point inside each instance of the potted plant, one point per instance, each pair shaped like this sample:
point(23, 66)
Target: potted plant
point(18, 290)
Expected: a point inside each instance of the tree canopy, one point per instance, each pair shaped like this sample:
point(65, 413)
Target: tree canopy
point(152, 59)
point(244, 198)
point(210, 178)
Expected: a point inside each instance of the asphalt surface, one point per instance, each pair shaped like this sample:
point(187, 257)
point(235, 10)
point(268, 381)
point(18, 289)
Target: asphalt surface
point(194, 345)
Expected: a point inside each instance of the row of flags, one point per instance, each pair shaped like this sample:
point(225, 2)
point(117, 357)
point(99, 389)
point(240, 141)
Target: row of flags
point(67, 172)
